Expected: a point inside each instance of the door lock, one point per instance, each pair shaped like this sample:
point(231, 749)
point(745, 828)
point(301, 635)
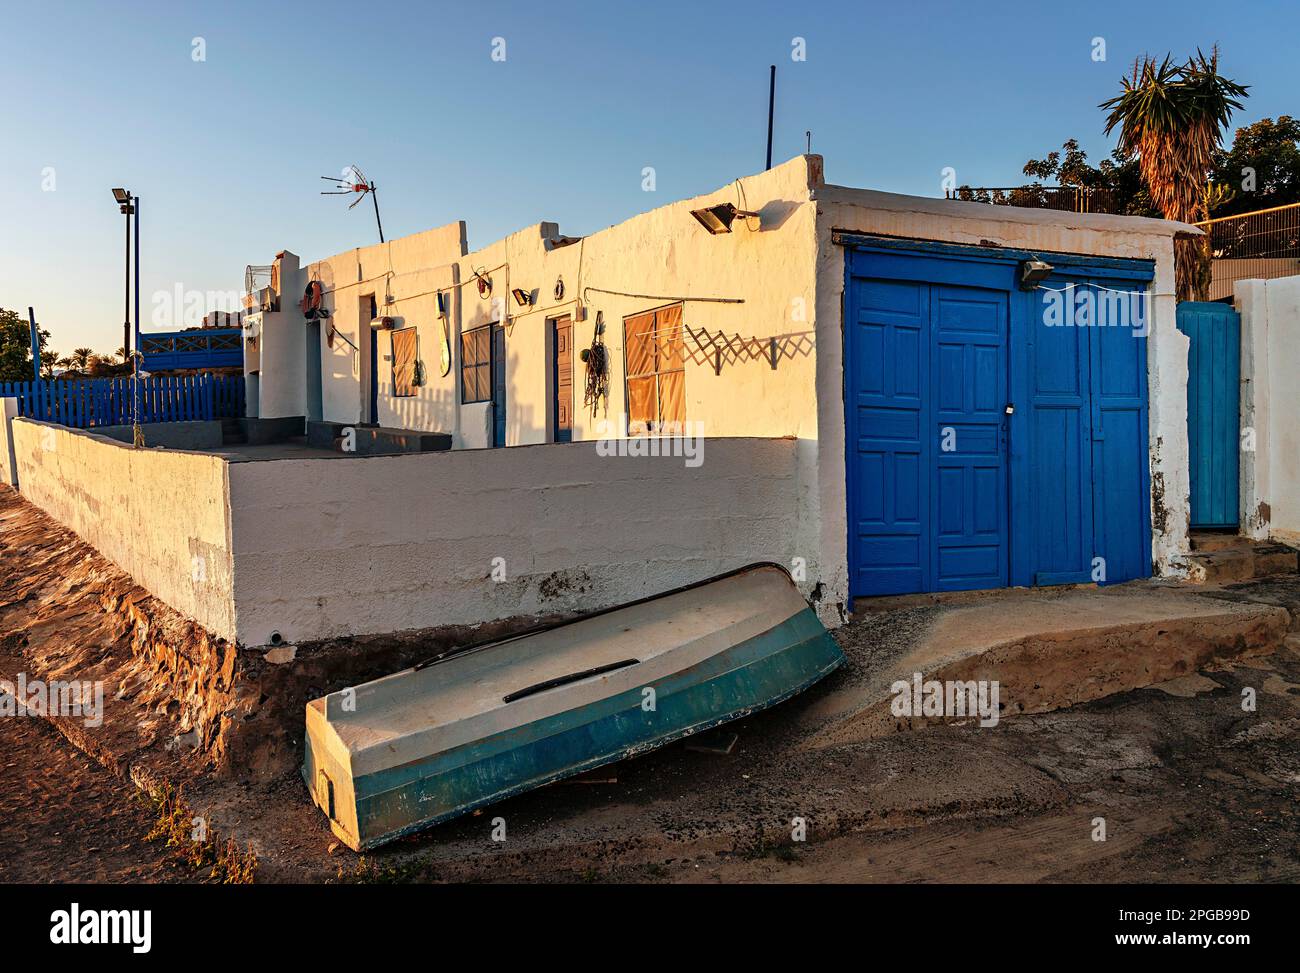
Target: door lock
point(1010, 409)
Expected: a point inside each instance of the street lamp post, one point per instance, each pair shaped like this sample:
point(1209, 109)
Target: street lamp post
point(124, 203)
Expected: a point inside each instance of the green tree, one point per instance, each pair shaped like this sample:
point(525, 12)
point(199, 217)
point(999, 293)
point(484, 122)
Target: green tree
point(15, 346)
point(1262, 167)
point(1118, 178)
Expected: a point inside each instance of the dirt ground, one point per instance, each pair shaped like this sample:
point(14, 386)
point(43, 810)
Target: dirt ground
point(64, 818)
point(1191, 787)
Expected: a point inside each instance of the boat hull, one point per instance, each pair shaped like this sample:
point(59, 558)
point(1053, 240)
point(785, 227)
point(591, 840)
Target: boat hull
point(385, 802)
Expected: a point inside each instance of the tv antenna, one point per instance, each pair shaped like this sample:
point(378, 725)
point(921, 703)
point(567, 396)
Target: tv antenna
point(354, 182)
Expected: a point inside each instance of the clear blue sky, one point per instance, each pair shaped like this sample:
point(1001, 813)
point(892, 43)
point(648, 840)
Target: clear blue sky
point(227, 153)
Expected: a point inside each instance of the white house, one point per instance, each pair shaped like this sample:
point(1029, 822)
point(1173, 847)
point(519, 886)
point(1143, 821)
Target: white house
point(892, 394)
point(745, 333)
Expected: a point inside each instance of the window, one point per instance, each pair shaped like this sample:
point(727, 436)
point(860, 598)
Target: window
point(405, 349)
point(476, 365)
point(653, 356)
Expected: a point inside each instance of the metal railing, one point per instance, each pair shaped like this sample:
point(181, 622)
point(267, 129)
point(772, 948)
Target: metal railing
point(1253, 246)
point(1073, 199)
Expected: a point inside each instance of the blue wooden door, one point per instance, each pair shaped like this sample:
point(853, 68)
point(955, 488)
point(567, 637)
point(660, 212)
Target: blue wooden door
point(1213, 404)
point(986, 443)
point(968, 384)
point(927, 380)
point(498, 385)
point(372, 403)
point(886, 332)
point(1051, 464)
point(1121, 510)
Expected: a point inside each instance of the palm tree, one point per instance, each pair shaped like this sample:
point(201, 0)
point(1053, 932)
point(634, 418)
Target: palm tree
point(1172, 117)
point(81, 358)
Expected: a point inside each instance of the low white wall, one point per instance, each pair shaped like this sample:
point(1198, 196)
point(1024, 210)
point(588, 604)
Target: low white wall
point(1270, 402)
point(368, 545)
point(161, 515)
point(8, 467)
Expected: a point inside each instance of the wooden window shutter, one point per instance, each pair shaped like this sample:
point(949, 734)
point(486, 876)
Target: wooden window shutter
point(405, 346)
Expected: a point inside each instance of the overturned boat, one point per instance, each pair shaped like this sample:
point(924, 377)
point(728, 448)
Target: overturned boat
point(481, 724)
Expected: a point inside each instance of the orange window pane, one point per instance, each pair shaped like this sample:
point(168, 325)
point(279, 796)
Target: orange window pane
point(672, 399)
point(668, 332)
point(641, 404)
point(638, 344)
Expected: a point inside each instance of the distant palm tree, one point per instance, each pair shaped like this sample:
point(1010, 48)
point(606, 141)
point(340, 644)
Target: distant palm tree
point(1172, 117)
point(49, 359)
point(81, 358)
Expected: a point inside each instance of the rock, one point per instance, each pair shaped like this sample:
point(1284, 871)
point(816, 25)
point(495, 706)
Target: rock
point(187, 741)
point(281, 654)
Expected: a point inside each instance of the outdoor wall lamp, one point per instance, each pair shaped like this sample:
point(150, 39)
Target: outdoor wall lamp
point(523, 297)
point(718, 219)
point(1033, 272)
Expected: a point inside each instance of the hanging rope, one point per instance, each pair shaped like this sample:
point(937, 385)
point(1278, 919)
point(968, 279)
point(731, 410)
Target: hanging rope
point(596, 358)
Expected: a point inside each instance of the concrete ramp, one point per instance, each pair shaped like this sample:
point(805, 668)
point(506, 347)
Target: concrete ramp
point(1046, 650)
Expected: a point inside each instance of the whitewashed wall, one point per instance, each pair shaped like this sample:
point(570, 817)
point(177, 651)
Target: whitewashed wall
point(161, 515)
point(375, 544)
point(1270, 403)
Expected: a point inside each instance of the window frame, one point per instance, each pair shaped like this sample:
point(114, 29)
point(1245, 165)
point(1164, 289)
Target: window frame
point(655, 426)
point(484, 390)
point(415, 362)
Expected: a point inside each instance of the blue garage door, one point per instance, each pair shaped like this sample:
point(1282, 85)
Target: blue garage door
point(952, 486)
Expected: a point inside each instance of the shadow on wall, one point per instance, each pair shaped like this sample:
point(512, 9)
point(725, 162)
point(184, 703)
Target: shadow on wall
point(429, 410)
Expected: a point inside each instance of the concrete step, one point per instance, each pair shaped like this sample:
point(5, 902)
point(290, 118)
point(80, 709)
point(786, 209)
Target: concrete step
point(374, 440)
point(1207, 541)
point(1240, 562)
point(232, 433)
point(1045, 651)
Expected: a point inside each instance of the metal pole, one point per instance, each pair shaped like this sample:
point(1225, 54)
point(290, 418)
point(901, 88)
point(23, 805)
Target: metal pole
point(36, 345)
point(374, 198)
point(771, 109)
point(137, 435)
point(137, 272)
point(126, 296)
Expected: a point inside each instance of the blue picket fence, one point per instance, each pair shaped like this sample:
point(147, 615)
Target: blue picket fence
point(85, 403)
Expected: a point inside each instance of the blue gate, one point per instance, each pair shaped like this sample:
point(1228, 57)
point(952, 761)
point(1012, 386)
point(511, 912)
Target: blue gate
point(987, 443)
point(1213, 409)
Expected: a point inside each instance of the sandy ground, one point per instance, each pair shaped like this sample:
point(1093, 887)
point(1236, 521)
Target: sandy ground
point(1191, 787)
point(64, 818)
